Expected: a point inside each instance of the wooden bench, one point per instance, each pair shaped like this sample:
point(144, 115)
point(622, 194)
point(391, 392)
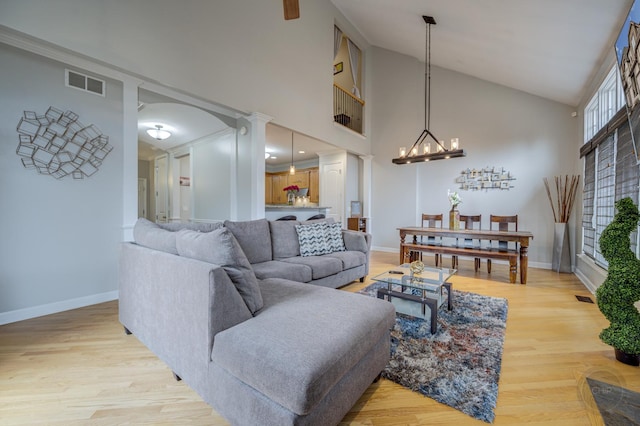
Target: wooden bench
point(475, 252)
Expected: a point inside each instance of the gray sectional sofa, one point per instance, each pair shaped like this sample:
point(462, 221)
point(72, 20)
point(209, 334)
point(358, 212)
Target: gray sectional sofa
point(262, 349)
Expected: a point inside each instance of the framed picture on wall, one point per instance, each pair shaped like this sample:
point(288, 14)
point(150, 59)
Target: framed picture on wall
point(628, 61)
point(356, 209)
point(337, 68)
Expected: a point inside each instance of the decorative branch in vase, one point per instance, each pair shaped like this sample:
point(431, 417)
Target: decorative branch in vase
point(561, 206)
point(565, 196)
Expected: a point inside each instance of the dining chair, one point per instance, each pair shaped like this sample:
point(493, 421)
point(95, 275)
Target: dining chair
point(502, 223)
point(432, 221)
point(468, 222)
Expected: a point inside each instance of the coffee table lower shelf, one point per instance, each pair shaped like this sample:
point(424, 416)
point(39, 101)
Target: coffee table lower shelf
point(423, 301)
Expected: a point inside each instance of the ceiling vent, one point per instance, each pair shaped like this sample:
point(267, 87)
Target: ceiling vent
point(84, 82)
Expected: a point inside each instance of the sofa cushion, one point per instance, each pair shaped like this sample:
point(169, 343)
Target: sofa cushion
point(321, 266)
point(254, 238)
point(349, 259)
point(301, 365)
point(151, 235)
point(221, 248)
point(313, 239)
point(280, 269)
point(284, 239)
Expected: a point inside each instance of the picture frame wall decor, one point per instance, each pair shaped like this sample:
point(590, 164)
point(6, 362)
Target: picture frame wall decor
point(356, 209)
point(485, 179)
point(338, 68)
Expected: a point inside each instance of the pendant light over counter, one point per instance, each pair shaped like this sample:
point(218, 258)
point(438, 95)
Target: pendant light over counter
point(421, 151)
point(292, 168)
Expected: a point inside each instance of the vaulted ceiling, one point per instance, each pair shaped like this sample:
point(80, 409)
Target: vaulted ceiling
point(549, 48)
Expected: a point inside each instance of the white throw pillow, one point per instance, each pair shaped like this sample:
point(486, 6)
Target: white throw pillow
point(313, 239)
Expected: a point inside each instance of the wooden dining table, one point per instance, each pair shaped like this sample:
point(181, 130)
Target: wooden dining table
point(522, 238)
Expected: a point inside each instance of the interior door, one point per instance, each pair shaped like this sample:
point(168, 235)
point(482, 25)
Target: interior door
point(162, 188)
point(332, 189)
point(142, 198)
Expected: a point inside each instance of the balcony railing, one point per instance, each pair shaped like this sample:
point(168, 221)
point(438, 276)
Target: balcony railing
point(347, 109)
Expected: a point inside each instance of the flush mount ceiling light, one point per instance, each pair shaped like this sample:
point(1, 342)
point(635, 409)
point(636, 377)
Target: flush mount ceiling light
point(420, 151)
point(158, 133)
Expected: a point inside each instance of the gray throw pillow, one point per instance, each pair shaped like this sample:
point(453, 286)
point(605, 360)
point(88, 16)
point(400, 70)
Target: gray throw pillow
point(221, 248)
point(151, 235)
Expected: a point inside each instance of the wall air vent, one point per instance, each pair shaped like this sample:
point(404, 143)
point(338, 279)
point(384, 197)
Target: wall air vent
point(84, 82)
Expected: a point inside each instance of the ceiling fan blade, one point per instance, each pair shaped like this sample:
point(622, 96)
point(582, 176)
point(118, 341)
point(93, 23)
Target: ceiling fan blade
point(291, 9)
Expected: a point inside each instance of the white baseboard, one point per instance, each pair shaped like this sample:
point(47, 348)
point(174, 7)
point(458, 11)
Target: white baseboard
point(53, 308)
point(385, 249)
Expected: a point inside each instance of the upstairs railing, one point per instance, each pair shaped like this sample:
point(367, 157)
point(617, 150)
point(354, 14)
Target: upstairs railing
point(347, 109)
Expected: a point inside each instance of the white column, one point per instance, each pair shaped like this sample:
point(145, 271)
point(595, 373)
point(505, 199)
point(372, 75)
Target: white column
point(129, 157)
point(366, 188)
point(251, 163)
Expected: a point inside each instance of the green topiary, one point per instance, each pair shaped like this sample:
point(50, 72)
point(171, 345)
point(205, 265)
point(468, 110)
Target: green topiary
point(617, 295)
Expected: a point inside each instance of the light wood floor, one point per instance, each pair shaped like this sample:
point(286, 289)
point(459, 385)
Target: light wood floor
point(78, 367)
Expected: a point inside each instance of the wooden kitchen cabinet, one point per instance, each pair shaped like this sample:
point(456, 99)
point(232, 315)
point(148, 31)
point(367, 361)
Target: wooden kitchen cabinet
point(301, 179)
point(268, 189)
point(279, 182)
point(314, 185)
point(305, 178)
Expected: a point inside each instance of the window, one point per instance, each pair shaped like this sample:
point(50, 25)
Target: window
point(610, 169)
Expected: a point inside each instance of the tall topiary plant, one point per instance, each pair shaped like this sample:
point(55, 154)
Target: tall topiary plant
point(617, 295)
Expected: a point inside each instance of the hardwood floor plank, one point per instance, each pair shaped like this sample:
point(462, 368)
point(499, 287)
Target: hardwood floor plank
point(78, 367)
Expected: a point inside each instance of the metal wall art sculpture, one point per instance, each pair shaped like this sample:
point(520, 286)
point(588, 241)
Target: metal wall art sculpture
point(59, 145)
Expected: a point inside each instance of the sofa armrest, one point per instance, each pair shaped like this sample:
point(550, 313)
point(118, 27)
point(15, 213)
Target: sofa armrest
point(175, 306)
point(356, 241)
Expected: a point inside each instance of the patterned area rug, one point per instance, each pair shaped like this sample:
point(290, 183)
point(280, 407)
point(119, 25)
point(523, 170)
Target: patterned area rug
point(459, 365)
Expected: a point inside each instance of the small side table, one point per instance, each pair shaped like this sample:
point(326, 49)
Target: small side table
point(357, 224)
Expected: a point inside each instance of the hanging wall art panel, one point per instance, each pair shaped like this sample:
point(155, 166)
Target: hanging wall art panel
point(485, 179)
point(59, 145)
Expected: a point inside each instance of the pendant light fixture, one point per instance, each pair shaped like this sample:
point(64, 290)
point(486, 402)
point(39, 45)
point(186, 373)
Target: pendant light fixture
point(292, 168)
point(421, 151)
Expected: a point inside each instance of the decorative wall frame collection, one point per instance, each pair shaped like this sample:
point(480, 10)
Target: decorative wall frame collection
point(58, 145)
point(487, 178)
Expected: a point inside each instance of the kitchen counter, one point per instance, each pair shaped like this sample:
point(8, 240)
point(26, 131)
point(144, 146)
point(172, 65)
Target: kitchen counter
point(276, 211)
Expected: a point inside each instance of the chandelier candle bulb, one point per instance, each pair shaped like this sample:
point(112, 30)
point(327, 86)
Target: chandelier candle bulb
point(414, 152)
point(441, 146)
point(427, 148)
point(454, 144)
point(403, 151)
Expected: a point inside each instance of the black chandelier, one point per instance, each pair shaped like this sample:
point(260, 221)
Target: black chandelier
point(420, 151)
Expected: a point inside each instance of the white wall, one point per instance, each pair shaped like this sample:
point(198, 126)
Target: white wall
point(530, 136)
point(60, 237)
point(211, 172)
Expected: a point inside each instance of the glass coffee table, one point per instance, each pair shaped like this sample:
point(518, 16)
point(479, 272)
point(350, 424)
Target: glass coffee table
point(412, 293)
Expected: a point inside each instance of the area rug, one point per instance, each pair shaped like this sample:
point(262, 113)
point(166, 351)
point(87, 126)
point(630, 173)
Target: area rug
point(459, 365)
